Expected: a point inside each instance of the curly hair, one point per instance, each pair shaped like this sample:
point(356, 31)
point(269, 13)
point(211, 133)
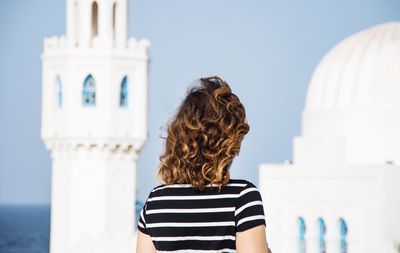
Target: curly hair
point(204, 136)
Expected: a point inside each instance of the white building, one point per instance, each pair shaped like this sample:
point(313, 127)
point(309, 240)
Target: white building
point(342, 191)
point(94, 122)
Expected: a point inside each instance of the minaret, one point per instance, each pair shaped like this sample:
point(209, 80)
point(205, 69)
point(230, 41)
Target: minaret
point(94, 122)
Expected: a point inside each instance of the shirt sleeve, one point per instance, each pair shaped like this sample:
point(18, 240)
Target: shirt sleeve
point(142, 221)
point(249, 210)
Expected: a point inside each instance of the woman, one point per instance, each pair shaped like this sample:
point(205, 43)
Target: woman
point(199, 208)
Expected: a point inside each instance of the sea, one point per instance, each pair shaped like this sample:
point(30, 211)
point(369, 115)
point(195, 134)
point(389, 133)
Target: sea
point(24, 228)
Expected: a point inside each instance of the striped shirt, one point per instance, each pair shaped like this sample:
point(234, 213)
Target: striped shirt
point(181, 219)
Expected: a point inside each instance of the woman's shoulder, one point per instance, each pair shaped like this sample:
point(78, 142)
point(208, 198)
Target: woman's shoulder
point(241, 182)
point(158, 187)
point(169, 188)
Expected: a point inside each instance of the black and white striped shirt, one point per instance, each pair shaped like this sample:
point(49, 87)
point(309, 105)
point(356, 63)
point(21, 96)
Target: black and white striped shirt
point(181, 219)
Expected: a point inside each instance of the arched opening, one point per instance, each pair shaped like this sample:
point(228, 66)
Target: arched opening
point(302, 234)
point(321, 236)
point(89, 91)
point(95, 15)
point(58, 89)
point(343, 236)
point(123, 96)
point(76, 23)
point(114, 20)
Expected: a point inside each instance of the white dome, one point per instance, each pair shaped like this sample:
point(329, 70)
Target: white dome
point(361, 71)
point(352, 110)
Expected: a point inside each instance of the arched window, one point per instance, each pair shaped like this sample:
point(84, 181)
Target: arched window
point(95, 14)
point(58, 89)
point(114, 19)
point(343, 235)
point(321, 236)
point(123, 96)
point(302, 235)
point(89, 91)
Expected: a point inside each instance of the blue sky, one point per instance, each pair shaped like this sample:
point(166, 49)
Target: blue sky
point(267, 51)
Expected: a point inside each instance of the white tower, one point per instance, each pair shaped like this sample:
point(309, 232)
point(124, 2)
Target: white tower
point(341, 193)
point(94, 122)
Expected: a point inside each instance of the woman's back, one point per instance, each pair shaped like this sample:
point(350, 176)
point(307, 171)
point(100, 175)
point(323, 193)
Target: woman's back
point(186, 215)
point(180, 218)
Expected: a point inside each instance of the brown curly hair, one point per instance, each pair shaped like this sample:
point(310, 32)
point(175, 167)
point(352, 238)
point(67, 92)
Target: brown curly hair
point(204, 136)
